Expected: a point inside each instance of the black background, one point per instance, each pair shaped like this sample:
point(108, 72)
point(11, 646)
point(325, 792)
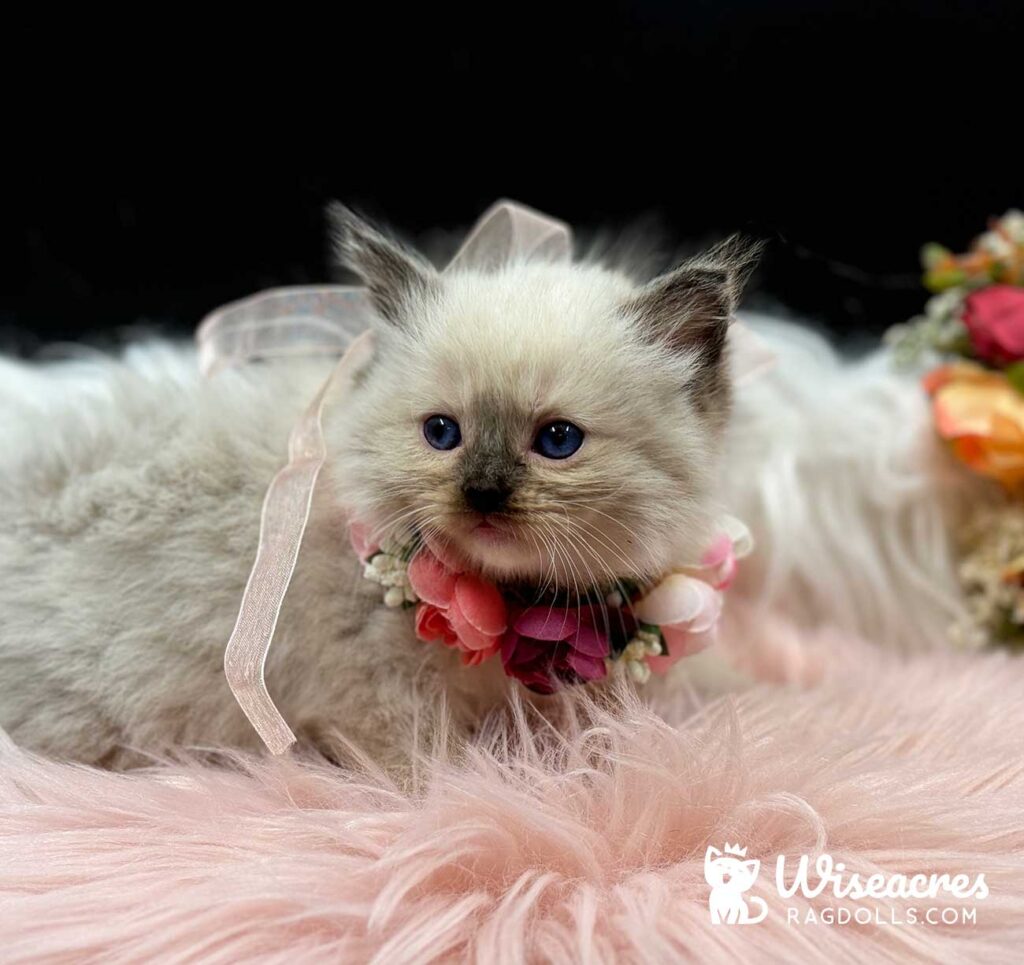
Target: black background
point(157, 165)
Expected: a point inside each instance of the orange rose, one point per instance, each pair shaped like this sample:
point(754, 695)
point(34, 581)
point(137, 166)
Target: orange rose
point(981, 415)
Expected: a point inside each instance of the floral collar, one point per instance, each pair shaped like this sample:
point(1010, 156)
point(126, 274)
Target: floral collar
point(545, 641)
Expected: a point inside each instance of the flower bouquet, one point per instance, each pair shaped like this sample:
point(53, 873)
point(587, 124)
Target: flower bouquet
point(974, 324)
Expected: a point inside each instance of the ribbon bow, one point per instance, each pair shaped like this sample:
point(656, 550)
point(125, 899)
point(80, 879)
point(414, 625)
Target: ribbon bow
point(338, 320)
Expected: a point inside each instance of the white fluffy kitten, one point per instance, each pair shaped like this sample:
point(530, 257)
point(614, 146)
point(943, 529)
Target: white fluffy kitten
point(129, 504)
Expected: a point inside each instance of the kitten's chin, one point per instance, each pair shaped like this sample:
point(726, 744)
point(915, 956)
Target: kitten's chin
point(496, 550)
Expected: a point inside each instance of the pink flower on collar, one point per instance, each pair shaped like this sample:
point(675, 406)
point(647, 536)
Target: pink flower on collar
point(687, 610)
point(459, 609)
point(546, 647)
point(549, 646)
point(361, 537)
point(719, 563)
point(687, 605)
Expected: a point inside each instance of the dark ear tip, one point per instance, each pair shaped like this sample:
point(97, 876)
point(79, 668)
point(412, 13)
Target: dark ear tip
point(351, 234)
point(342, 221)
point(738, 252)
point(738, 256)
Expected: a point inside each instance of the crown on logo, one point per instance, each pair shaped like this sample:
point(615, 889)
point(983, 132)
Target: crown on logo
point(734, 849)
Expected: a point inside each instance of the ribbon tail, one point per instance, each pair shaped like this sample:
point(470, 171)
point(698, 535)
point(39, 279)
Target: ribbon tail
point(286, 509)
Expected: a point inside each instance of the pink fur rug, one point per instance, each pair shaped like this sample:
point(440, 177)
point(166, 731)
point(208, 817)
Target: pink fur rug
point(585, 846)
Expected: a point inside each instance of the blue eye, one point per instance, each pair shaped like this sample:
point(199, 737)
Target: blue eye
point(558, 440)
point(442, 432)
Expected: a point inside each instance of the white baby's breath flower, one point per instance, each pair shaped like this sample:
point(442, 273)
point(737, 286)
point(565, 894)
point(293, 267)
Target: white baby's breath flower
point(996, 243)
point(1013, 224)
point(945, 305)
point(390, 568)
point(991, 572)
point(646, 643)
point(634, 651)
point(639, 671)
point(651, 642)
point(927, 337)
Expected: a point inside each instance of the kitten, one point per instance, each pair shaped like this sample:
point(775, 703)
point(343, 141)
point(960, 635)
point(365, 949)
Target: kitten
point(539, 421)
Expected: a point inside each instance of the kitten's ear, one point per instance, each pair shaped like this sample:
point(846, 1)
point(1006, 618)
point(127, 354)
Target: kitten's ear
point(689, 309)
point(393, 274)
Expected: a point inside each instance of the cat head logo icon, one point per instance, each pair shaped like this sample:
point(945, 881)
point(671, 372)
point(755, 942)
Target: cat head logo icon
point(730, 876)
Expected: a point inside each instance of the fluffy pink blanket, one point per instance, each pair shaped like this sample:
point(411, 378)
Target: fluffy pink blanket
point(587, 845)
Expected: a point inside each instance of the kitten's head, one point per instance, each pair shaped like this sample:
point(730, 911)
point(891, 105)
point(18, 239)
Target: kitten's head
point(539, 421)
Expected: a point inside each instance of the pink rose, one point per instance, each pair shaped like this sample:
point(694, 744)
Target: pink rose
point(363, 543)
point(719, 564)
point(687, 610)
point(459, 609)
point(994, 317)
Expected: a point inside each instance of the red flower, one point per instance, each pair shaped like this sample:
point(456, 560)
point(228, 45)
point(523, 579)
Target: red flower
point(994, 317)
point(548, 647)
point(459, 609)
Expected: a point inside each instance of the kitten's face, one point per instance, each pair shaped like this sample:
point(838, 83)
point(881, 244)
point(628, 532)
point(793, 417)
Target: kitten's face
point(533, 426)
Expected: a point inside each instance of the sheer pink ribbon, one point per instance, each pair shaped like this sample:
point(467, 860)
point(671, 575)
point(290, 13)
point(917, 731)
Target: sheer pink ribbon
point(336, 320)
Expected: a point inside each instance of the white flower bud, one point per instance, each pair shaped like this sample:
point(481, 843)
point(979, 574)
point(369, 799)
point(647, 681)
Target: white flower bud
point(639, 671)
point(1013, 224)
point(394, 597)
point(636, 649)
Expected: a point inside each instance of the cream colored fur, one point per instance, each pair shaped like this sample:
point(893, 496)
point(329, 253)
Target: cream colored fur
point(522, 346)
